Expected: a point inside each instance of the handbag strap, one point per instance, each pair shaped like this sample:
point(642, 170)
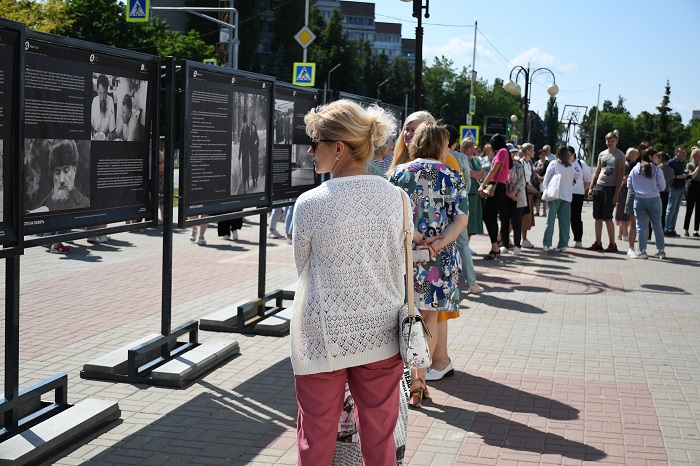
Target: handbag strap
point(408, 247)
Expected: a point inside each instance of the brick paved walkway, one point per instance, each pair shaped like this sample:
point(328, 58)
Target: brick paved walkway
point(567, 358)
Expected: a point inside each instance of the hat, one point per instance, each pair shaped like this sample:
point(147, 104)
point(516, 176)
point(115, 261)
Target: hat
point(63, 152)
point(511, 148)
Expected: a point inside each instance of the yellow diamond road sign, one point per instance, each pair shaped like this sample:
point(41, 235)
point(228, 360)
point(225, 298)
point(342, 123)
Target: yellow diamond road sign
point(305, 36)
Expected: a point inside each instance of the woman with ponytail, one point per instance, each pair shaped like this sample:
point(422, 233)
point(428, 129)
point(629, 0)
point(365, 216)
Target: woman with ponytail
point(646, 181)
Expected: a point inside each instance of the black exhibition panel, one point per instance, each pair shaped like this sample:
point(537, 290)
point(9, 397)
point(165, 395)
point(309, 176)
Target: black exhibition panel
point(226, 136)
point(11, 92)
point(292, 167)
point(88, 114)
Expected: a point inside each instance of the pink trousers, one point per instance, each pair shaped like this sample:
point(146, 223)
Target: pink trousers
point(374, 388)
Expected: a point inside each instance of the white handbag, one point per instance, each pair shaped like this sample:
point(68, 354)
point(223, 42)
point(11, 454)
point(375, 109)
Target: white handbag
point(412, 328)
point(551, 193)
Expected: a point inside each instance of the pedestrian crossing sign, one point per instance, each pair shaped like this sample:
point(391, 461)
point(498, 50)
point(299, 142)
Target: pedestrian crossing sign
point(137, 11)
point(471, 132)
point(304, 74)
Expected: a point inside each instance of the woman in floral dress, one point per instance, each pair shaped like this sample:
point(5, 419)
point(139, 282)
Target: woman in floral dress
point(440, 212)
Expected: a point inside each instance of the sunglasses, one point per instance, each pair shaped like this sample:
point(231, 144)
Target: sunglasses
point(314, 144)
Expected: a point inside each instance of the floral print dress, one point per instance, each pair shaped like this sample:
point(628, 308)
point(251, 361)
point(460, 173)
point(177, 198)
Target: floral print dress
point(437, 194)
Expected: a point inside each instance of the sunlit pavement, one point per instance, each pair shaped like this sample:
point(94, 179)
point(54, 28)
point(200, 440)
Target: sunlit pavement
point(566, 358)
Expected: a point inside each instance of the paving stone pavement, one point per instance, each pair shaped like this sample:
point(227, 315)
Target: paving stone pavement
point(581, 357)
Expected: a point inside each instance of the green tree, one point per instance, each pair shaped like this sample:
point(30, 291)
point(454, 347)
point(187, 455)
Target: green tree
point(46, 16)
point(327, 50)
point(289, 19)
point(663, 138)
point(249, 27)
point(552, 126)
point(645, 126)
point(693, 135)
point(104, 22)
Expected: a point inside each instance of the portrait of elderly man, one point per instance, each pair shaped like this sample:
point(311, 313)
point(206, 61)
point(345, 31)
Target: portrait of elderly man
point(63, 164)
point(102, 112)
point(128, 127)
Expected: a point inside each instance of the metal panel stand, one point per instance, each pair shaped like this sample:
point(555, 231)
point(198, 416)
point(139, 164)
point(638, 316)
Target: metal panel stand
point(255, 317)
point(32, 427)
point(163, 359)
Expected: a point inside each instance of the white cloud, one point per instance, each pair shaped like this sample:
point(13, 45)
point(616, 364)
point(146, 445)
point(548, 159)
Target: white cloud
point(461, 52)
point(538, 59)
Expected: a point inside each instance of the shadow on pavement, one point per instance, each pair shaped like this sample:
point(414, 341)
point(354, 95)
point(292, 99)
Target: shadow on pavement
point(664, 289)
point(81, 253)
point(504, 432)
point(507, 304)
point(214, 427)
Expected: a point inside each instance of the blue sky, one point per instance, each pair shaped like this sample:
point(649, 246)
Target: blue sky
point(628, 47)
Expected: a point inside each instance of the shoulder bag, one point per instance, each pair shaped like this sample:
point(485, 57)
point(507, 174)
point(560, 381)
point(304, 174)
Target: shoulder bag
point(412, 328)
point(490, 188)
point(551, 192)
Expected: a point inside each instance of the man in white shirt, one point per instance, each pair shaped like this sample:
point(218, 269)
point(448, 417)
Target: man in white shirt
point(102, 111)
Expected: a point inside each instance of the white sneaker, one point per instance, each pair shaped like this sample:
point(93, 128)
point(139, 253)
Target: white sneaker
point(103, 238)
point(625, 238)
point(504, 250)
point(516, 250)
point(235, 235)
point(631, 253)
point(202, 241)
point(227, 237)
point(578, 244)
point(94, 240)
point(275, 234)
point(526, 244)
point(546, 248)
point(640, 255)
point(564, 249)
point(661, 254)
point(289, 240)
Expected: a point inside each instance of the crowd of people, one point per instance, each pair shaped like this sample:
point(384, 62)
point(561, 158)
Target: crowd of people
point(347, 239)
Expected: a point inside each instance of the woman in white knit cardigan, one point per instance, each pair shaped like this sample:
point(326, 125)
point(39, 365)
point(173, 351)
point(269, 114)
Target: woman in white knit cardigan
point(349, 255)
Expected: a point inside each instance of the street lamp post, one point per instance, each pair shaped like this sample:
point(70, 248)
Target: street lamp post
point(418, 79)
point(512, 87)
point(514, 128)
point(380, 86)
point(443, 108)
point(328, 81)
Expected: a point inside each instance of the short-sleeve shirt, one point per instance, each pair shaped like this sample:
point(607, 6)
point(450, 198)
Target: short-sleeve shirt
point(678, 169)
point(611, 164)
point(583, 176)
point(474, 164)
point(502, 157)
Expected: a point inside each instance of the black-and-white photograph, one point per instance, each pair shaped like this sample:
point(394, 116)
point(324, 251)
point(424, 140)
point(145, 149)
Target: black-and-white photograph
point(57, 175)
point(249, 143)
point(303, 173)
point(118, 111)
point(284, 121)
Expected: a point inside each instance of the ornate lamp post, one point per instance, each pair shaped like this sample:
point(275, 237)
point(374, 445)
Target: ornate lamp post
point(417, 13)
point(514, 128)
point(512, 87)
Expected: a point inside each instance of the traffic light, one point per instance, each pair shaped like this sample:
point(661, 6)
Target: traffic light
point(509, 127)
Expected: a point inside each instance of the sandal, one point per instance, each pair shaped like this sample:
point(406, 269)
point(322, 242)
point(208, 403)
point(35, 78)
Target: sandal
point(492, 255)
